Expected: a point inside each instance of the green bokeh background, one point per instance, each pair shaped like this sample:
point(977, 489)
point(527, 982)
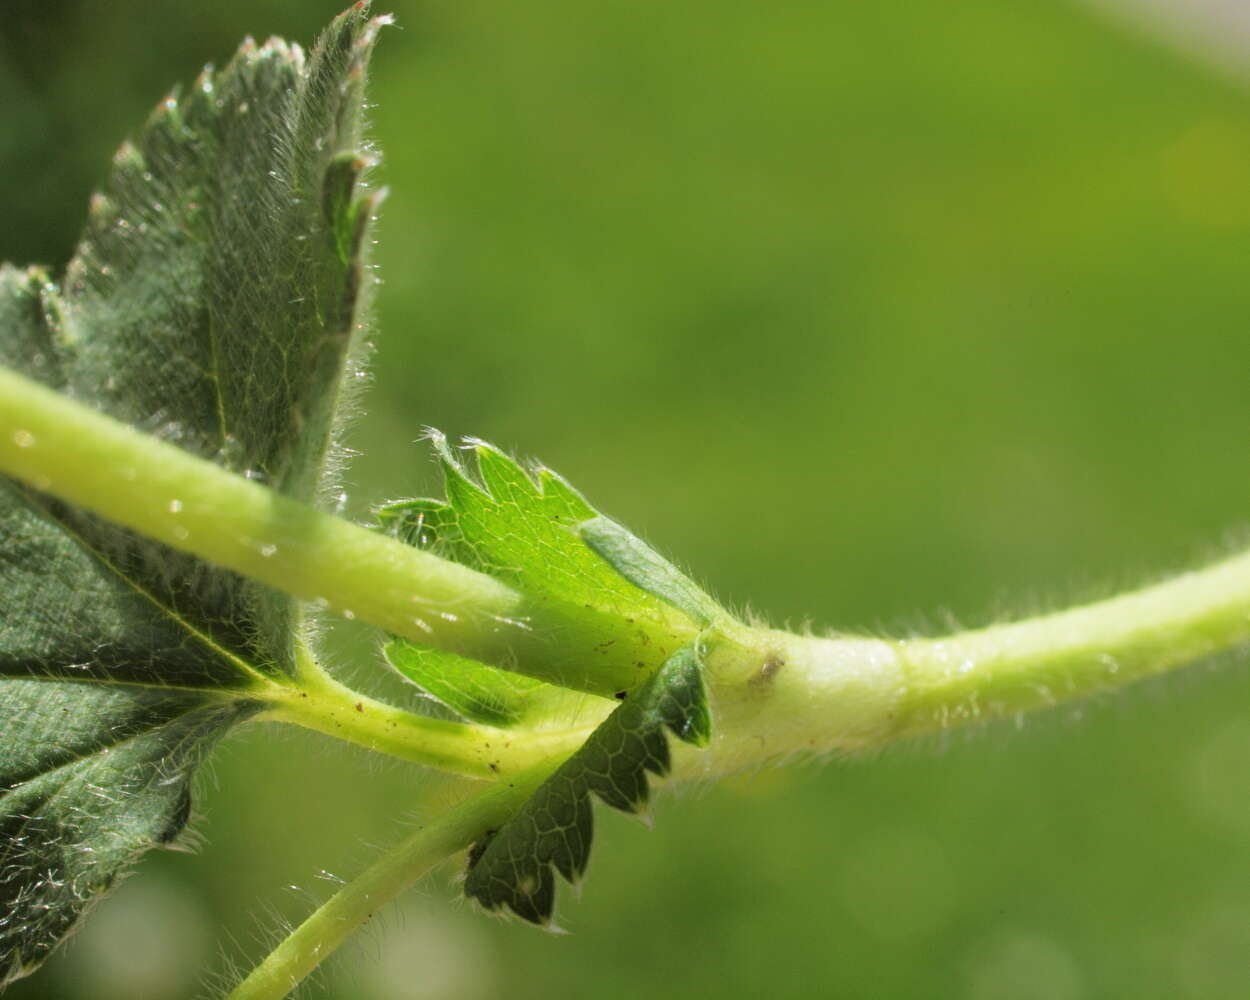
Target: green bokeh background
point(883, 316)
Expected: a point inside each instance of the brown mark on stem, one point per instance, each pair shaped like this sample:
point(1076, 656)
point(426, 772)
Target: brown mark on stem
point(768, 670)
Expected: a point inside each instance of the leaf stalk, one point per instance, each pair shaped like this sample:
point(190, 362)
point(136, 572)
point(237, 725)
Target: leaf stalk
point(317, 701)
point(327, 927)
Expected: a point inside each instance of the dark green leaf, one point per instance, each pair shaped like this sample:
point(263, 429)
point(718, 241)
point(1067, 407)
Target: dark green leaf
point(213, 302)
point(553, 830)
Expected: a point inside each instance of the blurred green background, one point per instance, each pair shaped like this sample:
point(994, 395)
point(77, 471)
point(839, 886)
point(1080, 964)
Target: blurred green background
point(883, 316)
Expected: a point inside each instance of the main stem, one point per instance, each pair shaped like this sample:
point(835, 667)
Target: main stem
point(322, 932)
point(78, 454)
point(774, 693)
point(778, 694)
point(1012, 668)
point(81, 455)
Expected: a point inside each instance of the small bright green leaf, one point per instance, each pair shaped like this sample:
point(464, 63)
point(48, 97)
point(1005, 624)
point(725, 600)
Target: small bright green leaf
point(484, 694)
point(212, 301)
point(553, 830)
point(645, 568)
point(525, 532)
point(618, 609)
point(427, 524)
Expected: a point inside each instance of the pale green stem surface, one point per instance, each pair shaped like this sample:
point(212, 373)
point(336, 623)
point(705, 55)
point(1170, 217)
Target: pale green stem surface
point(322, 932)
point(1007, 669)
point(75, 453)
point(777, 694)
point(318, 702)
point(774, 694)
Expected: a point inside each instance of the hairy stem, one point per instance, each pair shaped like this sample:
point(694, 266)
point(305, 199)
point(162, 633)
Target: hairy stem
point(64, 448)
point(319, 702)
point(774, 693)
point(80, 455)
point(319, 935)
point(1030, 664)
point(778, 694)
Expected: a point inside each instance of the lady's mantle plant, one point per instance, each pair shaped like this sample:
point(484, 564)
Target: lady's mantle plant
point(167, 420)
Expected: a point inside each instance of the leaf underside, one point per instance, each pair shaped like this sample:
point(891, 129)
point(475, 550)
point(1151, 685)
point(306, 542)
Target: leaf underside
point(212, 301)
point(513, 867)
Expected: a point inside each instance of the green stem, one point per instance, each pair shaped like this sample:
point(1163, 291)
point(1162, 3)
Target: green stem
point(318, 702)
point(75, 453)
point(777, 694)
point(319, 935)
point(80, 455)
point(1007, 669)
point(774, 693)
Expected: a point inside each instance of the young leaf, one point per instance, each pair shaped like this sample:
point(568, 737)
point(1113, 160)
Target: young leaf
point(213, 301)
point(484, 694)
point(618, 608)
point(513, 867)
point(646, 569)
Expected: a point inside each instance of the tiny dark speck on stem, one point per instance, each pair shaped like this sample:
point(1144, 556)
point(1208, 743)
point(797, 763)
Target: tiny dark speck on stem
point(768, 670)
point(360, 706)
